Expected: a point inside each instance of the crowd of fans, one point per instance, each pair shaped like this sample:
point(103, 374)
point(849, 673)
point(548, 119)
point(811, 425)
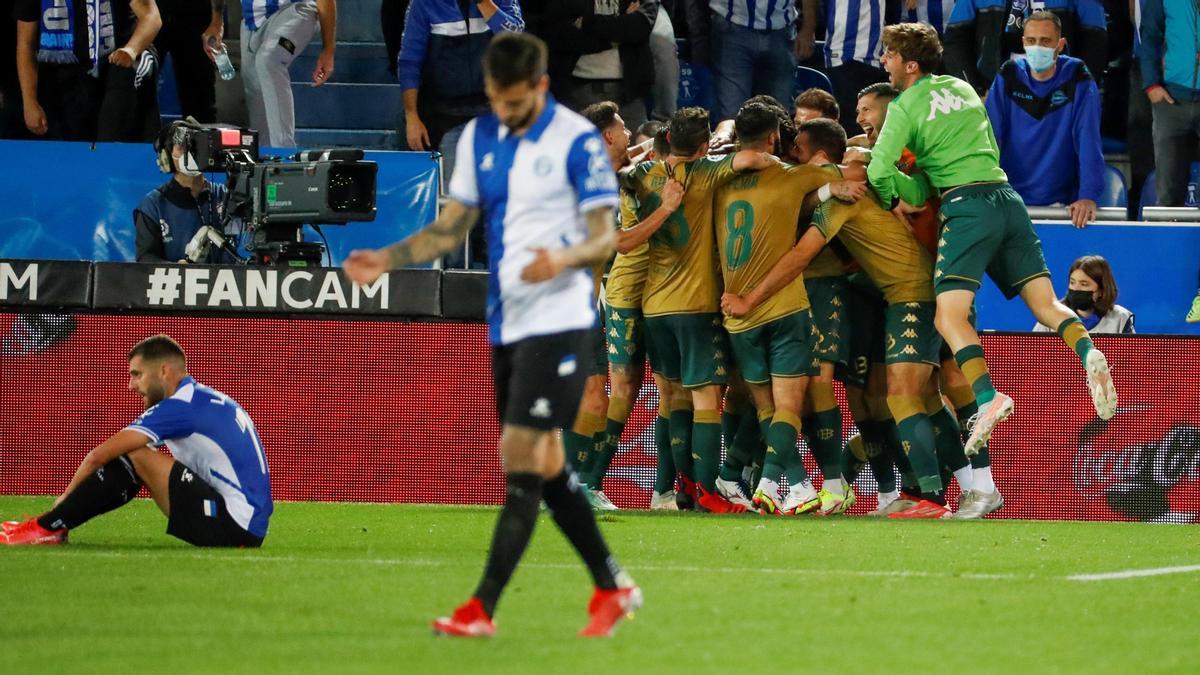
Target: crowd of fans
point(1128, 69)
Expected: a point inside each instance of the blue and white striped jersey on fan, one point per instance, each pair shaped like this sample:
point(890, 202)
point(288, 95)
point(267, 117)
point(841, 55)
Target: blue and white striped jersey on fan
point(853, 31)
point(256, 12)
point(534, 190)
point(936, 13)
point(212, 435)
point(756, 14)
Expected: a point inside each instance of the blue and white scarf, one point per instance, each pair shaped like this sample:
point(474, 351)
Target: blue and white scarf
point(58, 32)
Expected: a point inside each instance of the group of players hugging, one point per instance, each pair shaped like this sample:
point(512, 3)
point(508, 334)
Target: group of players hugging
point(759, 263)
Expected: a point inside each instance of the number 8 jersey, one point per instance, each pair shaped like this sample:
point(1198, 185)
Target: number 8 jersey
point(757, 223)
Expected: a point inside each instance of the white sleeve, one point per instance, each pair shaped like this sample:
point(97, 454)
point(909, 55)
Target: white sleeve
point(463, 187)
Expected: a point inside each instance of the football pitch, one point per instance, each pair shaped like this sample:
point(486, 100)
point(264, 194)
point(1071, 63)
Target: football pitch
point(353, 587)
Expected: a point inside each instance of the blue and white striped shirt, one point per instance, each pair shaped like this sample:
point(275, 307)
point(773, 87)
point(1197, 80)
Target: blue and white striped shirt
point(756, 14)
point(534, 191)
point(936, 13)
point(853, 32)
point(212, 435)
point(256, 12)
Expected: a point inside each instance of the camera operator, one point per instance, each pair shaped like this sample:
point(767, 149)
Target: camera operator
point(181, 220)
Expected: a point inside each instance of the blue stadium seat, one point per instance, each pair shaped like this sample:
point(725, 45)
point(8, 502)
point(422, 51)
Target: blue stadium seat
point(1150, 193)
point(1115, 193)
point(808, 78)
point(695, 86)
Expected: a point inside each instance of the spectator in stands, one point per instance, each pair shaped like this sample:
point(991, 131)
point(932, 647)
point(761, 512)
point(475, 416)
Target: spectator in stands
point(172, 215)
point(274, 32)
point(983, 34)
point(814, 103)
point(647, 132)
point(666, 66)
point(852, 52)
point(183, 25)
point(1140, 123)
point(936, 13)
point(78, 84)
point(12, 119)
point(1092, 293)
point(441, 67)
point(754, 47)
point(1045, 111)
point(600, 51)
point(391, 18)
point(1170, 56)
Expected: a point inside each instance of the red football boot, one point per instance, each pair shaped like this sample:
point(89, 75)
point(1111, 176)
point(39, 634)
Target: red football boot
point(29, 533)
point(924, 509)
point(608, 607)
point(713, 502)
point(468, 621)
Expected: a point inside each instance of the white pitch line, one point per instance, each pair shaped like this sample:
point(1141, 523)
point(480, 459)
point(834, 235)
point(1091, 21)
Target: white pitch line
point(794, 571)
point(1133, 574)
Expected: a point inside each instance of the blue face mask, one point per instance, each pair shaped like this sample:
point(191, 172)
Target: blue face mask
point(1040, 59)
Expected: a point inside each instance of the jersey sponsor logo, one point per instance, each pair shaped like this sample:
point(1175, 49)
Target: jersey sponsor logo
point(944, 101)
point(186, 476)
point(540, 409)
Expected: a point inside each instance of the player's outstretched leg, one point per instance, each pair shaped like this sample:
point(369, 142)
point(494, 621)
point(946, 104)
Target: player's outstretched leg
point(109, 487)
point(616, 596)
point(1038, 294)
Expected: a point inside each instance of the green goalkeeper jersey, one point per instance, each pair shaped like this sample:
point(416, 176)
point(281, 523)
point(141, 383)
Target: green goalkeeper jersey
point(942, 121)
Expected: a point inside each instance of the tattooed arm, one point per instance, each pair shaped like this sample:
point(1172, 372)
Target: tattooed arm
point(431, 243)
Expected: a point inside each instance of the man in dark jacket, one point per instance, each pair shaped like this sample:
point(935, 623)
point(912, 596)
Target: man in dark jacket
point(983, 34)
point(600, 51)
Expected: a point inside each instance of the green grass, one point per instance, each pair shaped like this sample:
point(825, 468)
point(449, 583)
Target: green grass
point(349, 587)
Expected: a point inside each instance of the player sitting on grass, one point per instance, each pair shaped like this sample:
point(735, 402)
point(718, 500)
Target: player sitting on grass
point(217, 493)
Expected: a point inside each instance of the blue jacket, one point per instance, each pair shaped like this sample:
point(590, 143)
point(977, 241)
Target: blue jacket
point(1170, 47)
point(441, 52)
point(168, 217)
point(982, 34)
point(1048, 132)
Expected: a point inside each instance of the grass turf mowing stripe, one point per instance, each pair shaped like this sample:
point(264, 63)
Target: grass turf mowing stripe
point(1133, 574)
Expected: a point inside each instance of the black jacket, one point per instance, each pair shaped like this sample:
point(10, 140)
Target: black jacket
point(556, 24)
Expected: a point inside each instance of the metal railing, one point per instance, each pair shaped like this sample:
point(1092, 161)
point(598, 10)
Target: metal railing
point(1151, 215)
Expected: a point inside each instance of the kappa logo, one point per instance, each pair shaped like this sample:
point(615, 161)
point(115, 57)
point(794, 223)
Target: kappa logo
point(540, 409)
point(612, 332)
point(910, 318)
point(612, 349)
point(909, 333)
point(944, 101)
point(909, 349)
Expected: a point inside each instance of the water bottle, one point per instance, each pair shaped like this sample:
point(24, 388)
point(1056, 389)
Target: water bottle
point(221, 57)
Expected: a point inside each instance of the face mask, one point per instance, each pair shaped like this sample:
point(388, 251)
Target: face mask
point(181, 164)
point(1040, 58)
point(1081, 300)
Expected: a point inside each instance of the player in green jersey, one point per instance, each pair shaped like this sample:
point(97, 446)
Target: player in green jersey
point(986, 227)
point(681, 295)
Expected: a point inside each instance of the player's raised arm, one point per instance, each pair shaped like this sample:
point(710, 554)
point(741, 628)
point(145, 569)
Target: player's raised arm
point(888, 180)
point(631, 238)
point(791, 265)
point(598, 247)
point(434, 241)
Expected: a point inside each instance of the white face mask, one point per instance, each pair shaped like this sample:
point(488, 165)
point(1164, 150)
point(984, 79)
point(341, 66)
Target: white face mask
point(187, 166)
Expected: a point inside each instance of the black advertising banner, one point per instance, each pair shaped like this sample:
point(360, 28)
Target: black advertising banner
point(45, 283)
point(259, 290)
